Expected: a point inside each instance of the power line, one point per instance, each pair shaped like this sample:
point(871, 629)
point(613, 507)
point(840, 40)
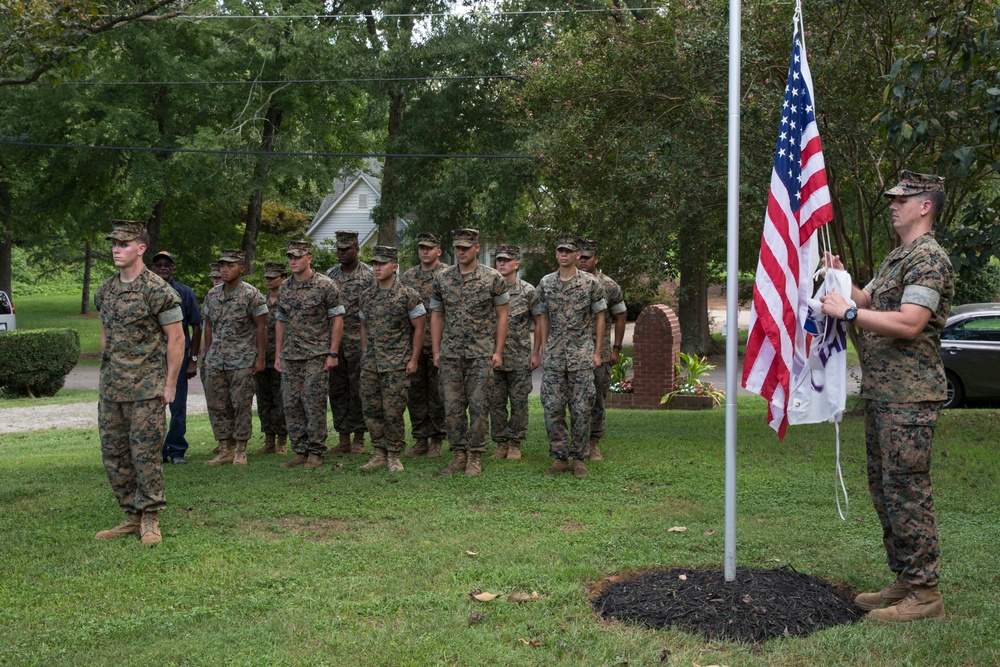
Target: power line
point(210, 151)
point(282, 81)
point(603, 10)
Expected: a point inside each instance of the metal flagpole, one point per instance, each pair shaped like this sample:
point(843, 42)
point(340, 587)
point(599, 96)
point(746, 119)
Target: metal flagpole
point(732, 286)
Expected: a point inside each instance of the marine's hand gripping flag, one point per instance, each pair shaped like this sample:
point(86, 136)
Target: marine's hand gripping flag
point(797, 205)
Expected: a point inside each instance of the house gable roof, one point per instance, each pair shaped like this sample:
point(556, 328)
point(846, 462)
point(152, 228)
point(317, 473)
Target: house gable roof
point(342, 188)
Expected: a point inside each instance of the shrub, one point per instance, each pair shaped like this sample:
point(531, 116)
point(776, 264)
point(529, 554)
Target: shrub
point(981, 286)
point(36, 362)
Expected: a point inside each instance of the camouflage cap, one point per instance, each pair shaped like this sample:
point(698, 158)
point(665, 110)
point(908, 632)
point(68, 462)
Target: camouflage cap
point(569, 242)
point(275, 269)
point(214, 270)
point(464, 238)
point(912, 183)
point(507, 251)
point(428, 239)
point(233, 256)
point(299, 248)
point(165, 255)
point(346, 238)
point(126, 230)
point(588, 247)
point(385, 253)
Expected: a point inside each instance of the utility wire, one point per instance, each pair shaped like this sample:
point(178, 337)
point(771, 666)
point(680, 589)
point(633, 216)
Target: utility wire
point(281, 81)
point(210, 151)
point(378, 17)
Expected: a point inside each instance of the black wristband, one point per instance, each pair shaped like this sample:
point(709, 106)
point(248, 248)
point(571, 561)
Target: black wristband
point(616, 347)
point(332, 354)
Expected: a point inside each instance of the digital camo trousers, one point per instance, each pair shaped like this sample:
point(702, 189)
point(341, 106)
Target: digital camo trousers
point(512, 387)
point(425, 402)
point(345, 394)
point(575, 390)
point(898, 438)
point(270, 406)
point(229, 397)
point(304, 390)
point(465, 384)
point(383, 397)
point(131, 436)
point(602, 383)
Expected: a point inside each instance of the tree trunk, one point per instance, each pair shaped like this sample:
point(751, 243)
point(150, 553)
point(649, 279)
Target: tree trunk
point(6, 240)
point(155, 222)
point(272, 125)
point(388, 208)
point(153, 226)
point(88, 261)
point(692, 302)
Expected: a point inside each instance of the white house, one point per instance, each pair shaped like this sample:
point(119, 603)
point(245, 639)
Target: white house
point(350, 206)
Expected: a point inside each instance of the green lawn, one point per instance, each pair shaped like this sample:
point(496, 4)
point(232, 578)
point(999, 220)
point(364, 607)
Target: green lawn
point(62, 311)
point(263, 566)
point(63, 397)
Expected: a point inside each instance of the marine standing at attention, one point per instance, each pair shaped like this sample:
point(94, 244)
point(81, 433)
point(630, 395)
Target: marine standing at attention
point(142, 346)
point(424, 401)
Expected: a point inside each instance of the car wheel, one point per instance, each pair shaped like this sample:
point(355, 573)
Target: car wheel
point(955, 393)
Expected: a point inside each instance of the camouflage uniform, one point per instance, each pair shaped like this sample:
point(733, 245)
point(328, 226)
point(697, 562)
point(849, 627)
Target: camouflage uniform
point(602, 374)
point(424, 402)
point(306, 307)
point(388, 316)
point(270, 408)
point(229, 361)
point(469, 305)
point(345, 377)
point(131, 416)
point(512, 381)
point(568, 361)
point(904, 384)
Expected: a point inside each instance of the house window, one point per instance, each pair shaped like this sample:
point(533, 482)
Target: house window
point(363, 200)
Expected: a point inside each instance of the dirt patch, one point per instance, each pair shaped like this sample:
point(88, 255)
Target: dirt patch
point(319, 529)
point(759, 605)
point(572, 527)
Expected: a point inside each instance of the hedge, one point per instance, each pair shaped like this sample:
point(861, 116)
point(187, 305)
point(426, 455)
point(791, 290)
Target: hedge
point(35, 362)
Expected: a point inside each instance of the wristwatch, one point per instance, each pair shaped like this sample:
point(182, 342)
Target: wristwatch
point(332, 354)
point(851, 314)
point(616, 347)
point(194, 358)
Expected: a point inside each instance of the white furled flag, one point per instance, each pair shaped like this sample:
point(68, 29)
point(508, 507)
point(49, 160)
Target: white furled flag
point(798, 203)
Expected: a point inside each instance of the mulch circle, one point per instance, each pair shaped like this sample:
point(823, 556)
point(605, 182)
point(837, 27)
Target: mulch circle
point(758, 605)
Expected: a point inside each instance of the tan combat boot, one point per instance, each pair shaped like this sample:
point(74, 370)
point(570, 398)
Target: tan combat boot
point(558, 466)
point(281, 444)
point(923, 602)
point(227, 452)
point(395, 465)
point(595, 450)
point(240, 454)
point(359, 443)
point(129, 526)
point(474, 464)
point(579, 468)
point(434, 451)
point(501, 452)
point(297, 460)
point(380, 459)
point(458, 461)
point(419, 447)
point(313, 461)
point(269, 446)
point(514, 451)
point(214, 452)
point(150, 529)
point(889, 595)
point(344, 447)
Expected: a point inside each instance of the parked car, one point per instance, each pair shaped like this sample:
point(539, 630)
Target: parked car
point(8, 321)
point(970, 350)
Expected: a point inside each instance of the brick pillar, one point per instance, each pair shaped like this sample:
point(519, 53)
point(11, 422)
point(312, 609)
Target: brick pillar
point(657, 340)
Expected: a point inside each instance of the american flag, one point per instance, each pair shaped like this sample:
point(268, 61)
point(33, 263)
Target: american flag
point(798, 203)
